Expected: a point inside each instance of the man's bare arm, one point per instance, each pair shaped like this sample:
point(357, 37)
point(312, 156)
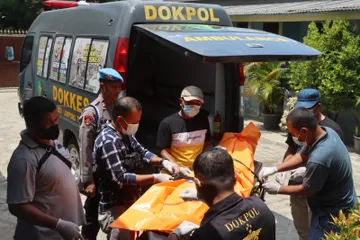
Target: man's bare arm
point(165, 154)
point(290, 152)
point(291, 163)
point(31, 214)
point(299, 190)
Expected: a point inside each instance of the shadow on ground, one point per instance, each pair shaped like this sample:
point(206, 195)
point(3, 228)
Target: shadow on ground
point(284, 228)
point(2, 177)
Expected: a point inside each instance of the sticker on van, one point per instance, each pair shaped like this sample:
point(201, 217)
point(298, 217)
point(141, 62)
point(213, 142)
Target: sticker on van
point(167, 13)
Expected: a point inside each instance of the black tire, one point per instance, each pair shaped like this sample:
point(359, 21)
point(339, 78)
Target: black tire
point(73, 148)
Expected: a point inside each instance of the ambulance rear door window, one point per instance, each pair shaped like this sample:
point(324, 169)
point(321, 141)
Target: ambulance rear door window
point(97, 60)
point(64, 62)
point(47, 58)
point(55, 59)
point(79, 62)
point(41, 55)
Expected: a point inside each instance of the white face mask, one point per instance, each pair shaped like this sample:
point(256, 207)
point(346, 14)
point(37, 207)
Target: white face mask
point(297, 141)
point(131, 129)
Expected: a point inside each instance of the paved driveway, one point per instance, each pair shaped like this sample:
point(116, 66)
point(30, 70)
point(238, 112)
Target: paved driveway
point(270, 150)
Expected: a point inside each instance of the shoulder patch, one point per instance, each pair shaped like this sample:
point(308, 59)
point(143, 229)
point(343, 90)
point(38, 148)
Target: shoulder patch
point(88, 120)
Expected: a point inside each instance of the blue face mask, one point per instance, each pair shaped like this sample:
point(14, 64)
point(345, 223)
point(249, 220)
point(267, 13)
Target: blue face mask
point(191, 110)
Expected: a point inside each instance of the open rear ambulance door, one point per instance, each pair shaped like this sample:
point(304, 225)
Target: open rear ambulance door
point(229, 45)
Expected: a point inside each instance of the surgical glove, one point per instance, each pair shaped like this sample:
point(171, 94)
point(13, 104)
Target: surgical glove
point(171, 167)
point(189, 194)
point(185, 171)
point(161, 177)
point(68, 230)
point(185, 228)
point(271, 187)
point(267, 171)
point(221, 147)
point(280, 178)
point(298, 175)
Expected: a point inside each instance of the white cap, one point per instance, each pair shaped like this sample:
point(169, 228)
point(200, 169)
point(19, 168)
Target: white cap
point(192, 93)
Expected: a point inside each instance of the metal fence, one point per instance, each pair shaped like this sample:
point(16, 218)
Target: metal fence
point(12, 32)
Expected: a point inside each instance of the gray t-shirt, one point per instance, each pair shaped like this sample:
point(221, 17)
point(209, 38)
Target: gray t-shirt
point(53, 189)
point(329, 175)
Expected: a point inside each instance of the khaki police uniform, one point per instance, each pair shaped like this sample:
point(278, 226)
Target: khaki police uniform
point(93, 117)
point(91, 121)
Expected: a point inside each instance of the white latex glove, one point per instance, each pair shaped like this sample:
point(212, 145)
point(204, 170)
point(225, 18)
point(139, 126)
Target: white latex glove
point(171, 167)
point(185, 228)
point(185, 171)
point(271, 187)
point(267, 171)
point(68, 230)
point(221, 147)
point(162, 177)
point(280, 178)
point(298, 175)
point(189, 194)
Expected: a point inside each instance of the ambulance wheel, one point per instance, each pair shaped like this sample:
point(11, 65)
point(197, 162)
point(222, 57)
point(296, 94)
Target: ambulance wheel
point(75, 158)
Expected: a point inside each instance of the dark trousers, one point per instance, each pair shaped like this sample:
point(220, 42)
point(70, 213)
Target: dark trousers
point(91, 228)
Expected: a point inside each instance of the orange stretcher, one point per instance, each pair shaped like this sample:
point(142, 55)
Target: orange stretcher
point(161, 209)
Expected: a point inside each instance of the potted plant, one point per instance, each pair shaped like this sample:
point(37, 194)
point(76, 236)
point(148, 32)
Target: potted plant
point(267, 81)
point(348, 225)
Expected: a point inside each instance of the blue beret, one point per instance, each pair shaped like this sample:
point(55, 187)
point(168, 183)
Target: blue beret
point(110, 75)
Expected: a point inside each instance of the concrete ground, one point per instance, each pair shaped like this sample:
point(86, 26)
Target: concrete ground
point(270, 150)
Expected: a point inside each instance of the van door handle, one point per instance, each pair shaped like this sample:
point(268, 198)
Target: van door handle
point(29, 84)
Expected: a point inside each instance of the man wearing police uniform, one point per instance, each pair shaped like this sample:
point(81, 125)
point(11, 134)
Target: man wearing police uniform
point(92, 118)
point(230, 216)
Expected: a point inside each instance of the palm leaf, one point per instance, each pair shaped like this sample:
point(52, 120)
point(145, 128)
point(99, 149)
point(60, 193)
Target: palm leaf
point(263, 80)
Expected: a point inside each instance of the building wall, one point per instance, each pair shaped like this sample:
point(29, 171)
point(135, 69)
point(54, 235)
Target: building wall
point(295, 30)
point(9, 71)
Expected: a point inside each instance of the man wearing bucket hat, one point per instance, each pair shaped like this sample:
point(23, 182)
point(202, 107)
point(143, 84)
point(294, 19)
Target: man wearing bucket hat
point(93, 117)
point(184, 135)
point(309, 99)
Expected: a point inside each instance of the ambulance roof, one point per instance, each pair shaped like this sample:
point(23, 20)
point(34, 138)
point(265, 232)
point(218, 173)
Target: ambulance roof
point(118, 17)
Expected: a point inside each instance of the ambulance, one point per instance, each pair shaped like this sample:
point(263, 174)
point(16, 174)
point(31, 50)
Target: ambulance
point(158, 47)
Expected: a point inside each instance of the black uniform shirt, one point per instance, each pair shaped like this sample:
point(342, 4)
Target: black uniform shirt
point(237, 218)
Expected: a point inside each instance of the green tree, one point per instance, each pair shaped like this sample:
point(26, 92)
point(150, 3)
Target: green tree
point(336, 73)
point(19, 14)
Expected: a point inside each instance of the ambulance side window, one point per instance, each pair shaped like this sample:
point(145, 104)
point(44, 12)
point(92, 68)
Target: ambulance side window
point(60, 59)
point(26, 52)
point(79, 62)
point(47, 57)
point(97, 59)
point(43, 56)
point(64, 63)
point(55, 58)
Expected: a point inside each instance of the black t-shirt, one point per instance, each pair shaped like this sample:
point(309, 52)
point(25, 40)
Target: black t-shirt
point(184, 138)
point(327, 122)
point(236, 218)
